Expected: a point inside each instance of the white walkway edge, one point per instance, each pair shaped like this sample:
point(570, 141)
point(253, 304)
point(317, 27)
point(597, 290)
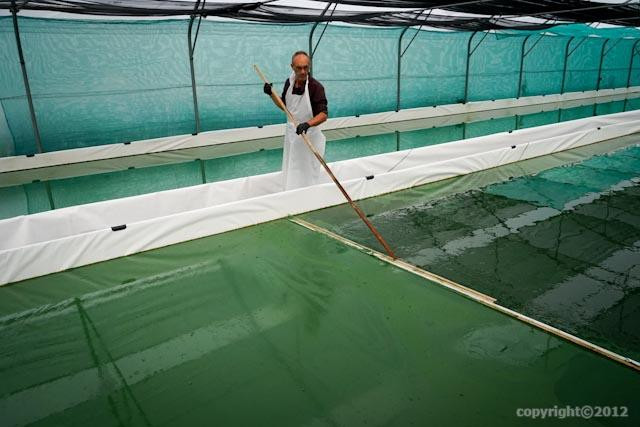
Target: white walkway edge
point(52, 241)
point(234, 141)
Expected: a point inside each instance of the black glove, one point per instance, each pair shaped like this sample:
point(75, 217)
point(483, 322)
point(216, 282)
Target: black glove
point(302, 128)
point(267, 88)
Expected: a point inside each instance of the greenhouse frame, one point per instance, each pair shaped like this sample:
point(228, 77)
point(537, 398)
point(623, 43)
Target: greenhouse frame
point(154, 271)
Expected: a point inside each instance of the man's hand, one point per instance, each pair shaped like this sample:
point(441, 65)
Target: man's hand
point(302, 128)
point(267, 88)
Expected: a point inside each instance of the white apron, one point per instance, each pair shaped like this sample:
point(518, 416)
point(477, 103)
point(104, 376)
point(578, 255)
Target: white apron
point(300, 168)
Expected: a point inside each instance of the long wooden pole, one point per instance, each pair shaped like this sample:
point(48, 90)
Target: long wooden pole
point(474, 295)
point(355, 207)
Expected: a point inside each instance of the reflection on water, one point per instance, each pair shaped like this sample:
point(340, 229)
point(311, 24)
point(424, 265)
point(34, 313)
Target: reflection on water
point(276, 325)
point(562, 246)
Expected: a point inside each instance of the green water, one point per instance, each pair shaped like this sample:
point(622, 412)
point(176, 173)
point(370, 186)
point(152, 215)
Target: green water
point(562, 245)
point(278, 325)
point(71, 190)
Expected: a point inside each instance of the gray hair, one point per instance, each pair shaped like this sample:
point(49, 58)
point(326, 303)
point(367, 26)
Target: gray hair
point(300, 52)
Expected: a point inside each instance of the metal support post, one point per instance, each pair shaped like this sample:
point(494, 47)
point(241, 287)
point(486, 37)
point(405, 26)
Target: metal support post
point(192, 46)
point(401, 53)
point(25, 78)
point(564, 72)
point(633, 54)
point(469, 53)
point(602, 55)
point(312, 49)
point(522, 55)
point(604, 45)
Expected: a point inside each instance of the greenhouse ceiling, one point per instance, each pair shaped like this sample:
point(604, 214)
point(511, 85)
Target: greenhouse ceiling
point(443, 14)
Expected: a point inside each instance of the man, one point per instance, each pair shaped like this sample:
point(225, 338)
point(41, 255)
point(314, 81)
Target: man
point(304, 97)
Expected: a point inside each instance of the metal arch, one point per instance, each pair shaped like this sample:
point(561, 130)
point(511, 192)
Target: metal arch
point(466, 74)
point(192, 46)
point(326, 24)
point(313, 29)
point(417, 31)
point(522, 55)
point(564, 72)
point(584, 39)
point(404, 30)
point(564, 67)
point(612, 47)
point(25, 78)
point(401, 54)
point(604, 45)
point(633, 54)
point(540, 37)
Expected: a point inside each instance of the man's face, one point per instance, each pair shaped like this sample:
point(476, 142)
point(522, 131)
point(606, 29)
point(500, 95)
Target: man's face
point(300, 66)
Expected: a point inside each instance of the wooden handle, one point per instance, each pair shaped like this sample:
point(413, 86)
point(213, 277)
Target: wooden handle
point(355, 207)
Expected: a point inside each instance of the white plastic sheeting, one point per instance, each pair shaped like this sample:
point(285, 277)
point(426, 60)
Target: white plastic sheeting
point(19, 177)
point(52, 241)
point(234, 141)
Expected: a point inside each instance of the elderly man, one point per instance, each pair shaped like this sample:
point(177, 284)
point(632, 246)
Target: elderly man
point(304, 97)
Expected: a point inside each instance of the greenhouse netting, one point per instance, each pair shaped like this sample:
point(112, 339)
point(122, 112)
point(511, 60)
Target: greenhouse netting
point(96, 82)
point(155, 270)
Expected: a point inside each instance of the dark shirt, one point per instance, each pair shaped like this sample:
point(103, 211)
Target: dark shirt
point(316, 95)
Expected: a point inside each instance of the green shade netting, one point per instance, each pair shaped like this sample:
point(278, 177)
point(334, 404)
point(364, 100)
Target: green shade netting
point(103, 82)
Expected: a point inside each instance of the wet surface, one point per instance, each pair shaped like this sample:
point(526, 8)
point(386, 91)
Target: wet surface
point(278, 325)
point(43, 189)
point(561, 246)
